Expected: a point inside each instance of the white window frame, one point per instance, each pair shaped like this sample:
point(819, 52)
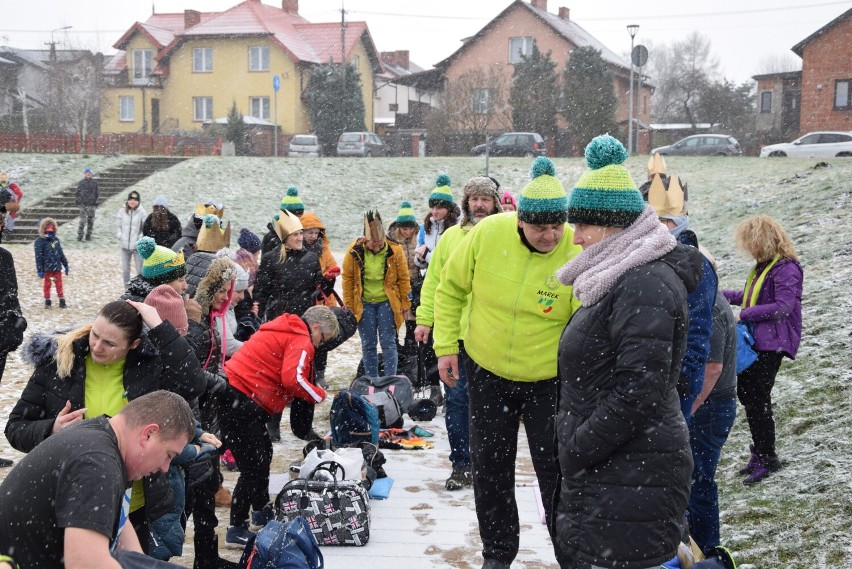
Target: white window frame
point(126, 108)
point(356, 62)
point(258, 58)
point(143, 65)
point(202, 109)
point(202, 60)
point(259, 108)
point(843, 86)
point(483, 101)
point(522, 45)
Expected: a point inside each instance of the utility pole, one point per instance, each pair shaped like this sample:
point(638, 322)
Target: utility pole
point(343, 62)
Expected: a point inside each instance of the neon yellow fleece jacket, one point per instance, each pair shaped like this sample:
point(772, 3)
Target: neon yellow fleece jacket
point(448, 243)
point(518, 308)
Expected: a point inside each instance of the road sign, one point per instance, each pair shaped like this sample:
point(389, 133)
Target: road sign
point(640, 55)
point(276, 83)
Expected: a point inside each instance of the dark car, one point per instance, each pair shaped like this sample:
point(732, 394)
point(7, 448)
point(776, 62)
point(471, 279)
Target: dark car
point(527, 144)
point(702, 145)
point(364, 144)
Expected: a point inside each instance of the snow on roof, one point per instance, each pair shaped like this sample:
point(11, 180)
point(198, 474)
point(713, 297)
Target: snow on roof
point(248, 119)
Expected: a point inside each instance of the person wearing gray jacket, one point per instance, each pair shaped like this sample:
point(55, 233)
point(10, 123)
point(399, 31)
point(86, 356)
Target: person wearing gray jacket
point(129, 222)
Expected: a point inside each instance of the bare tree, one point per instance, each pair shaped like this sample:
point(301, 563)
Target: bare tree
point(681, 72)
point(778, 63)
point(467, 108)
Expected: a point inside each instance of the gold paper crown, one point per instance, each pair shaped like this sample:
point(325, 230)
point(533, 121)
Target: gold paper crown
point(201, 210)
point(213, 238)
point(667, 203)
point(286, 224)
point(656, 164)
point(373, 228)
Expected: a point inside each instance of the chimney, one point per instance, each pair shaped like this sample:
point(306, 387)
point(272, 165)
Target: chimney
point(564, 13)
point(398, 58)
point(540, 4)
point(290, 6)
point(191, 18)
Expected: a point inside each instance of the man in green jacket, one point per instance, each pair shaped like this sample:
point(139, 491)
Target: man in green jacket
point(479, 200)
point(518, 309)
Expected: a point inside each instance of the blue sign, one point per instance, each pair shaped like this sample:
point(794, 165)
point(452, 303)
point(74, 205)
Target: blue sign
point(276, 83)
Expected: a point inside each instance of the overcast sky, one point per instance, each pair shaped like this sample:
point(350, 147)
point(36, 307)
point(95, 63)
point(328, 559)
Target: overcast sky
point(742, 33)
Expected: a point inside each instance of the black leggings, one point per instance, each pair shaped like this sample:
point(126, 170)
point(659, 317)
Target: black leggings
point(754, 390)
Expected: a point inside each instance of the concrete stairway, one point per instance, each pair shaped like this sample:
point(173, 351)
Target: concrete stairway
point(62, 208)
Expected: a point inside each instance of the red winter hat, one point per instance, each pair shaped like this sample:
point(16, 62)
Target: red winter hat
point(169, 305)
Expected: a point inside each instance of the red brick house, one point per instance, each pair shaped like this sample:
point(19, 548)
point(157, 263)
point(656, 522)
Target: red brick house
point(819, 97)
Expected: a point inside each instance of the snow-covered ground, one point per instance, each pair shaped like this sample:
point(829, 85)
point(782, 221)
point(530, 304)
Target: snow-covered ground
point(800, 517)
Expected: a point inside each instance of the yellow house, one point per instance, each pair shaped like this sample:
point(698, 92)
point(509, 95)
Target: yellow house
point(176, 71)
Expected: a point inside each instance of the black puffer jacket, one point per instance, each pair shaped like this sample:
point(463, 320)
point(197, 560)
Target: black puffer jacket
point(270, 240)
point(163, 360)
point(196, 269)
point(291, 286)
point(623, 444)
point(137, 289)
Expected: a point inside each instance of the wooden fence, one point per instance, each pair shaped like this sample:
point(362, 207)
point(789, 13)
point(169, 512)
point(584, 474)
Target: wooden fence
point(144, 144)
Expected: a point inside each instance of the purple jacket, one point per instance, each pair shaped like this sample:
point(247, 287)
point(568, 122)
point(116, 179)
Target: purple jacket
point(777, 315)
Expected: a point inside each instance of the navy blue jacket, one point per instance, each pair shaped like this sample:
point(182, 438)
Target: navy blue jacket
point(49, 256)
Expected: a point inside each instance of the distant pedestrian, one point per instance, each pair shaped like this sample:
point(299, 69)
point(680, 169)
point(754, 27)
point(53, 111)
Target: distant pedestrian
point(162, 225)
point(772, 306)
point(129, 222)
point(12, 200)
point(86, 198)
point(50, 260)
point(508, 201)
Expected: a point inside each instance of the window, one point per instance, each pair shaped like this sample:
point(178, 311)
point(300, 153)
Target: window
point(202, 60)
point(833, 138)
point(356, 62)
point(202, 108)
point(143, 64)
point(126, 110)
point(259, 58)
point(843, 94)
point(482, 101)
point(259, 107)
point(766, 102)
point(710, 141)
point(519, 47)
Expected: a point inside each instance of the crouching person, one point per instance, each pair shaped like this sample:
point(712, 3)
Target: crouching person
point(66, 502)
point(271, 369)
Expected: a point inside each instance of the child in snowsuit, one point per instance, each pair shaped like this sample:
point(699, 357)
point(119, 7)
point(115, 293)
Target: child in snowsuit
point(50, 260)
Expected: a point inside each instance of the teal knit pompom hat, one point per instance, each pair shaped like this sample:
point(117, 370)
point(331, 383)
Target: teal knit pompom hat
point(543, 200)
point(442, 195)
point(160, 265)
point(405, 216)
point(292, 202)
point(605, 194)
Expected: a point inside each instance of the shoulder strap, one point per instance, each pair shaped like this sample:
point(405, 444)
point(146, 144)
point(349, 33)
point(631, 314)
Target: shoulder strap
point(750, 294)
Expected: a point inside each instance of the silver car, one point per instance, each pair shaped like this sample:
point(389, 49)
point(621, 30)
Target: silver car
point(364, 144)
point(826, 144)
point(305, 145)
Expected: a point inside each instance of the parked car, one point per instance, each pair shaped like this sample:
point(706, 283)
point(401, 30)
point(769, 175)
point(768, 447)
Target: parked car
point(304, 145)
point(702, 145)
point(813, 145)
point(527, 144)
point(364, 144)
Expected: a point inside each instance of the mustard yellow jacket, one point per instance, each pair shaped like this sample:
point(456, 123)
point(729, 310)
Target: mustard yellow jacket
point(397, 283)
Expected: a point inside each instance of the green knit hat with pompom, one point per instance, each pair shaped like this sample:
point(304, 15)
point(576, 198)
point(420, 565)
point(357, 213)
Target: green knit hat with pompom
point(543, 200)
point(605, 194)
point(405, 216)
point(292, 202)
point(442, 195)
point(160, 265)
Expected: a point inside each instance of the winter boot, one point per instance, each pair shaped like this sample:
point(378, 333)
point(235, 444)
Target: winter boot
point(47, 303)
point(772, 462)
point(460, 478)
point(237, 537)
point(758, 473)
point(62, 303)
point(207, 555)
point(752, 463)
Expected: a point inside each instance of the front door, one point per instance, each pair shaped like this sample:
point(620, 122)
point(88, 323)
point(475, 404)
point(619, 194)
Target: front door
point(155, 116)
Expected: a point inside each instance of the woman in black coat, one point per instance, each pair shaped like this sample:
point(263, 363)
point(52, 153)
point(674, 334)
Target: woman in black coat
point(622, 441)
point(55, 395)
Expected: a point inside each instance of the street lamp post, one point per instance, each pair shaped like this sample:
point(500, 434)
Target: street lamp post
point(631, 29)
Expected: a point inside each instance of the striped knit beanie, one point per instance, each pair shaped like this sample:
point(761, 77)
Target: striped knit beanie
point(442, 195)
point(605, 194)
point(292, 202)
point(159, 265)
point(405, 216)
point(543, 200)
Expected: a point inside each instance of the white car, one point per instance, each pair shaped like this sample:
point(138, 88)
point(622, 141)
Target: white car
point(813, 145)
point(304, 145)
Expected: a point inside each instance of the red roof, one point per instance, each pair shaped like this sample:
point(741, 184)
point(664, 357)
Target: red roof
point(301, 40)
